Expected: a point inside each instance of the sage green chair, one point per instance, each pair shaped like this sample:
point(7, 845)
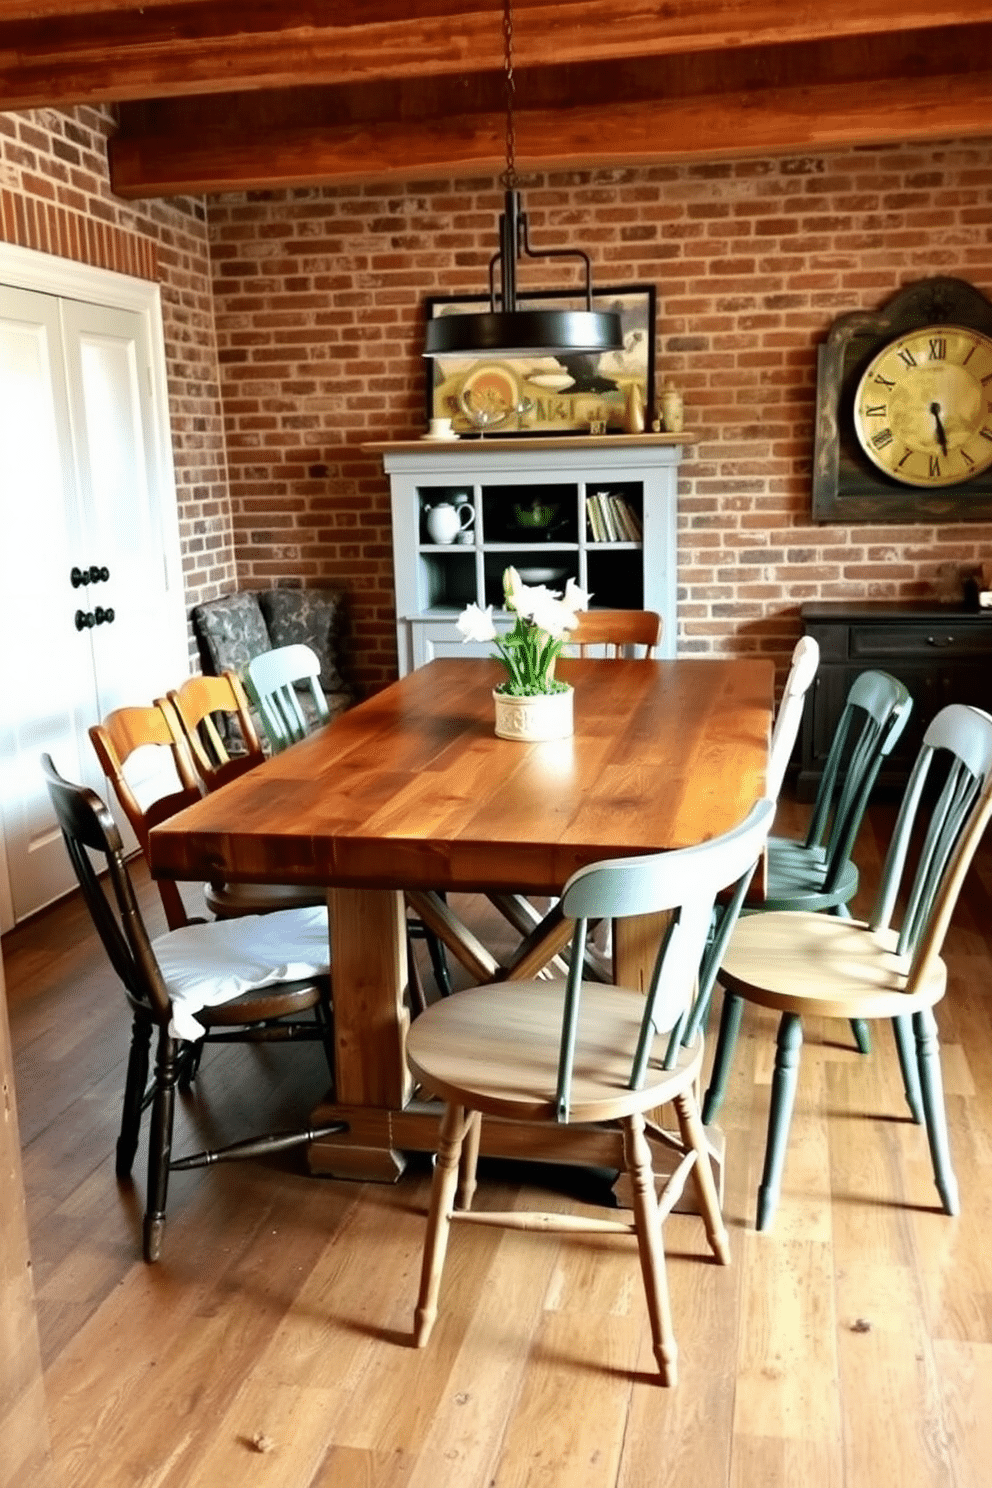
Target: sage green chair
point(586, 1052)
point(801, 963)
point(819, 873)
point(277, 682)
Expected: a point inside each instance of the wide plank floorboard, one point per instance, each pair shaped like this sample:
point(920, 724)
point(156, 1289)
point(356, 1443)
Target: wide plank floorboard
point(849, 1348)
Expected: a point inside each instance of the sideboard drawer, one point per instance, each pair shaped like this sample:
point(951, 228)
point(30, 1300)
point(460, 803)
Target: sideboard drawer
point(879, 642)
point(943, 654)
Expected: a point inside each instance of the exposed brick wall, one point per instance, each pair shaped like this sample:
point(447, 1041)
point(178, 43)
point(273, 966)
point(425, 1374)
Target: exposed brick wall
point(55, 197)
point(318, 299)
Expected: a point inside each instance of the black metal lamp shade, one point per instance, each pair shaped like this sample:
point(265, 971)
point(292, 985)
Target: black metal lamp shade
point(523, 333)
point(514, 332)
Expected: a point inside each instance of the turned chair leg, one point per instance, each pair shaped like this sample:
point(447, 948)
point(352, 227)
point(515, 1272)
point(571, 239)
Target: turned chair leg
point(469, 1161)
point(790, 1041)
point(908, 1063)
point(650, 1246)
point(932, 1091)
point(134, 1095)
point(693, 1136)
point(723, 1056)
point(160, 1143)
point(862, 1035)
point(453, 1131)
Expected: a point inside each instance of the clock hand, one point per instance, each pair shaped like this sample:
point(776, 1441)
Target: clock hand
point(935, 410)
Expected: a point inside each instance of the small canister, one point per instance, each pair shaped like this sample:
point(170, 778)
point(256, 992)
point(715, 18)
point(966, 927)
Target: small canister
point(672, 411)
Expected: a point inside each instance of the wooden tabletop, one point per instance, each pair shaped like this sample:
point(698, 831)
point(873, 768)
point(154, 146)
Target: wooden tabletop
point(412, 789)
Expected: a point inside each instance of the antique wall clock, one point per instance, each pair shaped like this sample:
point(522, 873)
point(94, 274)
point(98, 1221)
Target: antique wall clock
point(904, 410)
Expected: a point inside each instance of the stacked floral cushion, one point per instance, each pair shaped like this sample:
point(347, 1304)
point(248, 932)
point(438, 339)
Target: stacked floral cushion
point(234, 629)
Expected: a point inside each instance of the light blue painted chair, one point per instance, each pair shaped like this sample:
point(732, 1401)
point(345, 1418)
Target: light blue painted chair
point(801, 963)
point(585, 1052)
point(819, 873)
point(277, 683)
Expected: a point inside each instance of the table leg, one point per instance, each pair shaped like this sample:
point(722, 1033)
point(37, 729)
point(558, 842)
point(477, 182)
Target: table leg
point(371, 1018)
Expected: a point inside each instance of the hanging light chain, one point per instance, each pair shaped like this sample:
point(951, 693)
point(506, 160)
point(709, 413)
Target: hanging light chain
point(509, 176)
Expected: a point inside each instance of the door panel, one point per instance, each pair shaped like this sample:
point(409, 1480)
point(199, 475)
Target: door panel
point(80, 488)
point(46, 668)
point(110, 399)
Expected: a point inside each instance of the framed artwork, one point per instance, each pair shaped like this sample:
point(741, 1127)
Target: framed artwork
point(525, 396)
point(904, 410)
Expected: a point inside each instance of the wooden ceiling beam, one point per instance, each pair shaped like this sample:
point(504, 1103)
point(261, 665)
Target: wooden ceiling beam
point(769, 121)
point(64, 52)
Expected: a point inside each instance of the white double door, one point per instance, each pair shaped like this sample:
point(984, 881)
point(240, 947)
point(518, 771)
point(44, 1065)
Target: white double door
point(93, 614)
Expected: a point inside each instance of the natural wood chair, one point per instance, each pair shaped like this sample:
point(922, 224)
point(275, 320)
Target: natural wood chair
point(616, 632)
point(583, 1052)
point(148, 800)
point(196, 703)
point(224, 981)
point(801, 964)
point(273, 681)
point(820, 873)
point(152, 738)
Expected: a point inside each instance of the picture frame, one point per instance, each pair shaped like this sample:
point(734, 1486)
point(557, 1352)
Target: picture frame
point(847, 486)
point(527, 397)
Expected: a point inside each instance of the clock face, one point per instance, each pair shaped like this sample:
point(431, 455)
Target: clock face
point(923, 408)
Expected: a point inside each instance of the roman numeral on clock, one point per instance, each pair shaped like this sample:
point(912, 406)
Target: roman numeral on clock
point(882, 439)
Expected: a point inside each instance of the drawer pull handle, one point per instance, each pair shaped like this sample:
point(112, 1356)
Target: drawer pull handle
point(937, 641)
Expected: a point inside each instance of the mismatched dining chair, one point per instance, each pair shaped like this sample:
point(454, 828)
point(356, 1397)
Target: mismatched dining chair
point(616, 633)
point(248, 980)
point(152, 739)
point(585, 1052)
point(785, 730)
point(219, 754)
point(274, 682)
point(806, 964)
point(819, 872)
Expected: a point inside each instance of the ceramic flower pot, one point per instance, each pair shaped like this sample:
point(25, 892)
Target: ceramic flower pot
point(533, 719)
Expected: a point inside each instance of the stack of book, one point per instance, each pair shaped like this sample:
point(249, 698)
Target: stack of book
point(612, 518)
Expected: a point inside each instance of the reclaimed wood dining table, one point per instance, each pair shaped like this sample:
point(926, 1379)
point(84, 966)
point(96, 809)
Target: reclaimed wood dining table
point(411, 798)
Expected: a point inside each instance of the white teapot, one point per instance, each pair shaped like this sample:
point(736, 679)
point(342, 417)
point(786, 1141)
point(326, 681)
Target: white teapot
point(445, 522)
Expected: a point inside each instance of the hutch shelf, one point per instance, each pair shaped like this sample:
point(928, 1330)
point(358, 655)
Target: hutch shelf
point(532, 504)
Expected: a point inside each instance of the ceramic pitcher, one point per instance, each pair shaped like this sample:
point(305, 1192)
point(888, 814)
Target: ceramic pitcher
point(445, 522)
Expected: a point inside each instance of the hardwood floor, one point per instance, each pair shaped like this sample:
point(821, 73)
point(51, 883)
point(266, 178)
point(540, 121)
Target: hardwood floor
point(850, 1346)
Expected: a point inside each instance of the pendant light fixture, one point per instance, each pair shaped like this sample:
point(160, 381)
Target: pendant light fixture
point(506, 330)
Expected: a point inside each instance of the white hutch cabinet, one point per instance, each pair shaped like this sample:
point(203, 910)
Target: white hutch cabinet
point(532, 504)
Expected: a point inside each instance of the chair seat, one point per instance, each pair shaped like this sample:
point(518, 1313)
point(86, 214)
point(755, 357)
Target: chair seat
point(262, 1003)
point(204, 965)
point(820, 964)
point(231, 900)
point(795, 876)
point(496, 1049)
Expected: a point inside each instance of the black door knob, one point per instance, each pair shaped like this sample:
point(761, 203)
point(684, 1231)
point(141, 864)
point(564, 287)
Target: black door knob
point(85, 619)
point(97, 573)
point(104, 617)
point(79, 576)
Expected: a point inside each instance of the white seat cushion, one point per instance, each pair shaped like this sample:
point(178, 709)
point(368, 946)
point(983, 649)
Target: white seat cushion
point(204, 965)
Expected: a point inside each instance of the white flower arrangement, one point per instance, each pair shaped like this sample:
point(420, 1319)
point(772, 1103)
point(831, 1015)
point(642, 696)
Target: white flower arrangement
point(530, 649)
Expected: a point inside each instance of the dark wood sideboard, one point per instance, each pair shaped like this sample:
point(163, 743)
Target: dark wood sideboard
point(943, 653)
